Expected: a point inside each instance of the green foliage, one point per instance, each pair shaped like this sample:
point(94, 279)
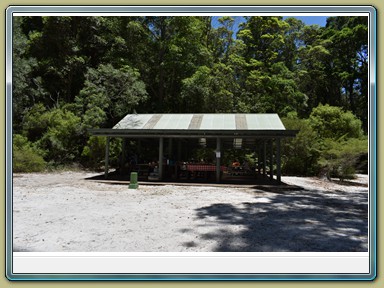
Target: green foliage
point(109, 94)
point(301, 154)
point(115, 146)
point(93, 153)
point(35, 122)
point(209, 91)
point(60, 139)
point(197, 88)
point(26, 157)
point(26, 87)
point(263, 37)
point(333, 122)
point(205, 155)
point(56, 131)
point(279, 82)
point(328, 143)
point(340, 158)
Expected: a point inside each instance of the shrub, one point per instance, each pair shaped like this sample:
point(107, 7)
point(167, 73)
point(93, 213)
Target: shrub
point(300, 154)
point(61, 139)
point(341, 158)
point(36, 122)
point(26, 158)
point(56, 131)
point(329, 143)
point(332, 122)
point(109, 94)
point(94, 152)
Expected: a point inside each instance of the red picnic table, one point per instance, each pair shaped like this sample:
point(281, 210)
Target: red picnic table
point(203, 167)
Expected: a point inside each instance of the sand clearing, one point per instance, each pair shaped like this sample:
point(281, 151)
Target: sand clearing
point(62, 212)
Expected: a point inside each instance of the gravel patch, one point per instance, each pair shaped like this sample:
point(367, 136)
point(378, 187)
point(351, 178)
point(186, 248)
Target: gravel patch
point(65, 212)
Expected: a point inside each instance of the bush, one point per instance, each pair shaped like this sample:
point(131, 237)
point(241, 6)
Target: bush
point(61, 139)
point(329, 143)
point(26, 158)
point(94, 152)
point(341, 158)
point(36, 122)
point(342, 144)
point(300, 154)
point(332, 122)
point(57, 131)
point(109, 94)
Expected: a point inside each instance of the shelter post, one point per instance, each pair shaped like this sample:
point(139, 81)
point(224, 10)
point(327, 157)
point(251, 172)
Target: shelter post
point(218, 156)
point(106, 168)
point(123, 155)
point(178, 158)
point(264, 157)
point(170, 158)
point(278, 160)
point(161, 157)
point(138, 150)
point(170, 149)
point(271, 162)
point(258, 159)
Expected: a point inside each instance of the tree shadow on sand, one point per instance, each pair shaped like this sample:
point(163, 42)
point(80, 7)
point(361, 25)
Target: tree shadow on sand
point(294, 221)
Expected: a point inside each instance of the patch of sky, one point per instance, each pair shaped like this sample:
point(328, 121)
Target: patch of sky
point(311, 20)
point(308, 20)
point(237, 21)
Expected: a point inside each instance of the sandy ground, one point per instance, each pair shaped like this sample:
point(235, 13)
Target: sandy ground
point(64, 212)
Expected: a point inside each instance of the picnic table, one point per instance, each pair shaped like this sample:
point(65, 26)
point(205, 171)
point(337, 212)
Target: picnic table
point(200, 170)
point(203, 167)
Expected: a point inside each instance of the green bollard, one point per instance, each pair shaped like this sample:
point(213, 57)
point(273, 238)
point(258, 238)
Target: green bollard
point(133, 181)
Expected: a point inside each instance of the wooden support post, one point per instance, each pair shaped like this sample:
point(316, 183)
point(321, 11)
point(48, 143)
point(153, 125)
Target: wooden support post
point(138, 151)
point(123, 155)
point(178, 149)
point(218, 156)
point(264, 157)
point(278, 161)
point(178, 158)
point(170, 158)
point(271, 162)
point(106, 168)
point(170, 148)
point(161, 156)
point(257, 151)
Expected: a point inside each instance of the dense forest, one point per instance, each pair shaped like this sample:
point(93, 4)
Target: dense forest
point(75, 73)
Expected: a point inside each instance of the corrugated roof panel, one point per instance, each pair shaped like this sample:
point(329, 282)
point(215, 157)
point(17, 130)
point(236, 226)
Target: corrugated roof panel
point(241, 122)
point(207, 122)
point(276, 123)
point(218, 122)
point(133, 121)
point(184, 121)
point(228, 121)
point(174, 121)
point(195, 122)
point(264, 122)
point(152, 121)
